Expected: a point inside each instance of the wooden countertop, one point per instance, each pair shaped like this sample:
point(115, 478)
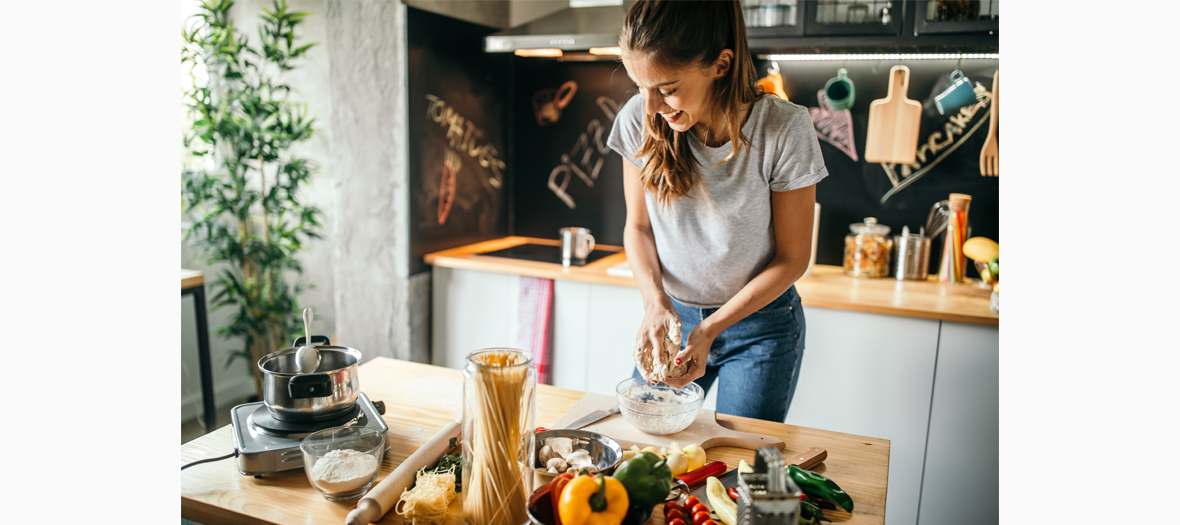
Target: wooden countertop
point(825, 287)
point(420, 399)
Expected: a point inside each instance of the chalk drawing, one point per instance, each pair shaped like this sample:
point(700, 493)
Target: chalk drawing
point(548, 103)
point(446, 187)
point(592, 155)
point(938, 146)
point(834, 126)
point(464, 137)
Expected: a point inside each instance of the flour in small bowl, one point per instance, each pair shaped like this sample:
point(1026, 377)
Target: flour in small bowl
point(343, 470)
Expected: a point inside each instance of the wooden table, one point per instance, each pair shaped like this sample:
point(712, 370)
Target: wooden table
point(193, 282)
point(420, 399)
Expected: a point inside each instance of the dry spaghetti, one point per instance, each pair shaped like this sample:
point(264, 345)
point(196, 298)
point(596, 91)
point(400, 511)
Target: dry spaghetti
point(498, 398)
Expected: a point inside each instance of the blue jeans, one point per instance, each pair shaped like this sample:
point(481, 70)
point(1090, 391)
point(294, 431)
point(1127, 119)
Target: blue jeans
point(757, 359)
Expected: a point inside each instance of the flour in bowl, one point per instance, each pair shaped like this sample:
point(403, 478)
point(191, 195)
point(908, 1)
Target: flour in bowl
point(343, 470)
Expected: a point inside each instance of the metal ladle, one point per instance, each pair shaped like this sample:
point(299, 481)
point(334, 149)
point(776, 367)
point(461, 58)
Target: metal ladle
point(307, 357)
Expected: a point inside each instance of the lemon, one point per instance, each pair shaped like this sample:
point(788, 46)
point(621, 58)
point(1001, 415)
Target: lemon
point(981, 249)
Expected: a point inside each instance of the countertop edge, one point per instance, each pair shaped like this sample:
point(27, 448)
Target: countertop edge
point(467, 258)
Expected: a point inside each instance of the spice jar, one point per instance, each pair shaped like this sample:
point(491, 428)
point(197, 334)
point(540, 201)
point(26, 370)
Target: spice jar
point(867, 249)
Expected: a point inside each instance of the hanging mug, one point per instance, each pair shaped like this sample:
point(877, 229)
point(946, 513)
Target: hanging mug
point(840, 91)
point(960, 94)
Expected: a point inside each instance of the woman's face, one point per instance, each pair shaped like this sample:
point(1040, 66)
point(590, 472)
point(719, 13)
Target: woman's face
point(683, 97)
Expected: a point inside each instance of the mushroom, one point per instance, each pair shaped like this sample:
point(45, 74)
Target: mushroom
point(557, 465)
point(546, 454)
point(580, 459)
point(560, 446)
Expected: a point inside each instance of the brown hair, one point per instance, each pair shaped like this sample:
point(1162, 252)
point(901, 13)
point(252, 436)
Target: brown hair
point(677, 34)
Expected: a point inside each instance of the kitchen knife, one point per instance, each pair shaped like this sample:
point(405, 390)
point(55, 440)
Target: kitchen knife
point(593, 417)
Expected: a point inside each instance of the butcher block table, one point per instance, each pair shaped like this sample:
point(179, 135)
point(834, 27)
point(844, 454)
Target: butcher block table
point(420, 399)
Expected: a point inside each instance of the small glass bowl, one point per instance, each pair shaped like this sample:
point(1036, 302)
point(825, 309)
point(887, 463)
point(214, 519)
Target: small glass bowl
point(318, 450)
point(658, 409)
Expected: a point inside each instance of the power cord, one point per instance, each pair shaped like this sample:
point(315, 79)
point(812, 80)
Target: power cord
point(235, 454)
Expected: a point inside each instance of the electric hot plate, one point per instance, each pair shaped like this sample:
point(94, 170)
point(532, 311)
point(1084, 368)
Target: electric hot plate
point(266, 444)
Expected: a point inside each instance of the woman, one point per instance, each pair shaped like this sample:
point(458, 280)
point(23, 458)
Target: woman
point(719, 182)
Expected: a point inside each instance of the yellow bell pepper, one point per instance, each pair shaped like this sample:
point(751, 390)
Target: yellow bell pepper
point(589, 501)
point(725, 508)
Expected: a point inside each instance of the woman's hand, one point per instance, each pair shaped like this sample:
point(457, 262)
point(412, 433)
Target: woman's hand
point(657, 320)
point(696, 354)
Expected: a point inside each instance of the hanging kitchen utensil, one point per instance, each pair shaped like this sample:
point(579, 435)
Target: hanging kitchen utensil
point(989, 156)
point(773, 81)
point(893, 123)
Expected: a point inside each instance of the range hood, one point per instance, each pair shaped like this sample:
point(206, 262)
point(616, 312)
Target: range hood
point(571, 29)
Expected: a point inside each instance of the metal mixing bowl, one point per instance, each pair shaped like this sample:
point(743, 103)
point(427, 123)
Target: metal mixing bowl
point(658, 409)
point(606, 452)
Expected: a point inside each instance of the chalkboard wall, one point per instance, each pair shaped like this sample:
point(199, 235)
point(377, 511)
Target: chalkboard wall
point(853, 190)
point(565, 175)
point(505, 145)
point(458, 135)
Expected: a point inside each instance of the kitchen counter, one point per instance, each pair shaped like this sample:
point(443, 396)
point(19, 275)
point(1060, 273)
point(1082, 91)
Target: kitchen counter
point(825, 287)
point(420, 399)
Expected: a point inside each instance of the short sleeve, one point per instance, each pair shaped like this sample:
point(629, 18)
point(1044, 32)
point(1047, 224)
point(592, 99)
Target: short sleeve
point(800, 163)
point(626, 136)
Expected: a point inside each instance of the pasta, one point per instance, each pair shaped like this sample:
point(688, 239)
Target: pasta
point(427, 502)
point(498, 399)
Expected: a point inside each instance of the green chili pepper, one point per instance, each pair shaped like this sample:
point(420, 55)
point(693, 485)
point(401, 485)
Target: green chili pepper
point(647, 479)
point(809, 514)
point(819, 487)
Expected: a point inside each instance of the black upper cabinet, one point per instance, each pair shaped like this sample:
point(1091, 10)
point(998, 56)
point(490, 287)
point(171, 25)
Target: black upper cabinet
point(852, 17)
point(942, 17)
point(857, 26)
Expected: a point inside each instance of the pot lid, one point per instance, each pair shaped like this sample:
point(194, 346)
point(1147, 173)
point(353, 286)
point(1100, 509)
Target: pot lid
point(869, 226)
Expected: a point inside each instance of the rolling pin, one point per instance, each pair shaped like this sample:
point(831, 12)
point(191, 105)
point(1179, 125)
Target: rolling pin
point(386, 494)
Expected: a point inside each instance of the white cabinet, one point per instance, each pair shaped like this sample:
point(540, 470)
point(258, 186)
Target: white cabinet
point(961, 482)
point(615, 314)
point(471, 310)
point(871, 375)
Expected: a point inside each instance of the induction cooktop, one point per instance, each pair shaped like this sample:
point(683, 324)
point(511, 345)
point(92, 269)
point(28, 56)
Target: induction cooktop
point(543, 253)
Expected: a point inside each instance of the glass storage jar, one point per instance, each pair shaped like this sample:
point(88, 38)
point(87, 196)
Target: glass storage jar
point(867, 249)
point(499, 406)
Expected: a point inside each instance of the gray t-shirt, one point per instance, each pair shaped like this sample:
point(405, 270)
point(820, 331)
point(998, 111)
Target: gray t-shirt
point(720, 236)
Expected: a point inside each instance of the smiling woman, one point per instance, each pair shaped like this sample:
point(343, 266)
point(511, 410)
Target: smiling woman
point(716, 235)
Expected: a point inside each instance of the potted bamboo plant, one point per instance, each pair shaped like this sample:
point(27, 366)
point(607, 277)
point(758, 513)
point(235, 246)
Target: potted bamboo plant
point(241, 183)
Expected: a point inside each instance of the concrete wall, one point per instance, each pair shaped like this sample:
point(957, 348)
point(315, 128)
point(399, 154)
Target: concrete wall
point(354, 84)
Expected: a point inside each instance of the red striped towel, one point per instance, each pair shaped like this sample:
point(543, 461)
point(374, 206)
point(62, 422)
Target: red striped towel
point(534, 323)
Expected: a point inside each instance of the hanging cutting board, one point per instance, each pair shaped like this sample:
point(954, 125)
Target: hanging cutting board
point(893, 123)
point(704, 431)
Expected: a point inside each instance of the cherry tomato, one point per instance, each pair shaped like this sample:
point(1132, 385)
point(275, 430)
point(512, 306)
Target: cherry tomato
point(709, 522)
point(699, 507)
point(733, 493)
point(671, 505)
point(676, 522)
point(700, 517)
point(673, 514)
point(691, 502)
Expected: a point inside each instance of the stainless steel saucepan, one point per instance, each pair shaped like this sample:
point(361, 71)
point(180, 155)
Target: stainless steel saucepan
point(327, 392)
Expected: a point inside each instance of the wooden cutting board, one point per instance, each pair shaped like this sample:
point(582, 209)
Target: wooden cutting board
point(893, 123)
point(704, 431)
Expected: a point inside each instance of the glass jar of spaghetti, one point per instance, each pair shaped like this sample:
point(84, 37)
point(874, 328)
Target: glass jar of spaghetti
point(499, 406)
point(867, 249)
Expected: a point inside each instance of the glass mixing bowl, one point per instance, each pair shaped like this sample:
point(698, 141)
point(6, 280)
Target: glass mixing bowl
point(658, 409)
point(343, 462)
